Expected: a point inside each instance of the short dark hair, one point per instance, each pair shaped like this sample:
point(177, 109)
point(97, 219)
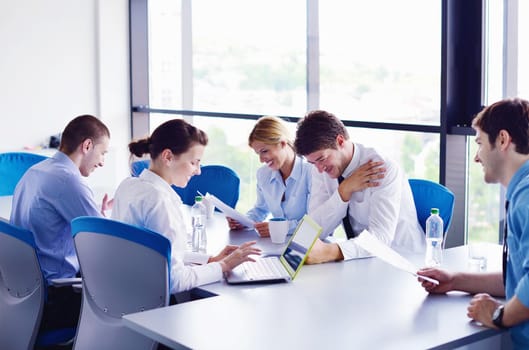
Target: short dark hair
point(511, 115)
point(79, 129)
point(318, 130)
point(176, 135)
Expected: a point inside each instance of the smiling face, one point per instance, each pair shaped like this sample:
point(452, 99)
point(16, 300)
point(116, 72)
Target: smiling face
point(184, 166)
point(327, 160)
point(332, 161)
point(93, 155)
point(489, 156)
point(273, 155)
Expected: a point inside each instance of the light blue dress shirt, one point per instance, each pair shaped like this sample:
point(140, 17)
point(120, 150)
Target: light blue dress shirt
point(270, 191)
point(46, 199)
point(517, 281)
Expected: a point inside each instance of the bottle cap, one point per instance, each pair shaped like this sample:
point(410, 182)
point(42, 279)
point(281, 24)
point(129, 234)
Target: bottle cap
point(198, 198)
point(434, 211)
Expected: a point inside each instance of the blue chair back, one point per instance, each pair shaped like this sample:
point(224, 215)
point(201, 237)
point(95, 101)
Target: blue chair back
point(218, 180)
point(428, 194)
point(12, 166)
point(125, 269)
point(23, 293)
point(137, 167)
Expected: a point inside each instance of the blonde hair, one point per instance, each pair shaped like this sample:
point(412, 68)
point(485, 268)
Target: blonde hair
point(270, 130)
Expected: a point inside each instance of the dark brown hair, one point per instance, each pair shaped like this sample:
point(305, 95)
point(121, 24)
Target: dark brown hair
point(318, 130)
point(511, 115)
point(176, 135)
point(79, 129)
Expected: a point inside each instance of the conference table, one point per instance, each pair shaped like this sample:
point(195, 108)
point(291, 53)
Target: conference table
point(357, 304)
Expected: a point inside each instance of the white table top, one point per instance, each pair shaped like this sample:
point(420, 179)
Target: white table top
point(360, 304)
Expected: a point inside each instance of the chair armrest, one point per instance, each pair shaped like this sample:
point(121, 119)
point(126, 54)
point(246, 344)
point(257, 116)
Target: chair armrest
point(64, 282)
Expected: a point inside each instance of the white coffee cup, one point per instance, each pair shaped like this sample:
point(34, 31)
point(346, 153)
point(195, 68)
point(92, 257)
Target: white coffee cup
point(278, 229)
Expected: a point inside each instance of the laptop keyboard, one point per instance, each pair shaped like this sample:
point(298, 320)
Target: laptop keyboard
point(263, 268)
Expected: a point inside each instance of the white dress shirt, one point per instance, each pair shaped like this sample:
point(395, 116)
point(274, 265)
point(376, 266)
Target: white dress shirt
point(149, 201)
point(387, 211)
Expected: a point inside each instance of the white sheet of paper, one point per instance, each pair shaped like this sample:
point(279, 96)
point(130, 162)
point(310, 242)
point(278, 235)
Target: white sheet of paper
point(229, 211)
point(373, 245)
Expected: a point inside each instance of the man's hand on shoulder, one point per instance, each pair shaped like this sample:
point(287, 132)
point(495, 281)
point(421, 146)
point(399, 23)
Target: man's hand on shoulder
point(367, 175)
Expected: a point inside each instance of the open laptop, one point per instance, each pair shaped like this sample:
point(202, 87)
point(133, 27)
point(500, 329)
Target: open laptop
point(285, 267)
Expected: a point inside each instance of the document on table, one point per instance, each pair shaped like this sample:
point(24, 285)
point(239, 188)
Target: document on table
point(230, 212)
point(373, 245)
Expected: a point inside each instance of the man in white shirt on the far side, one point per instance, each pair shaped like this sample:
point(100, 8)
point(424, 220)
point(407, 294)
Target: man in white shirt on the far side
point(351, 179)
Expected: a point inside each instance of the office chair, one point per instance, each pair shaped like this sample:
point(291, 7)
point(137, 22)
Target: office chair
point(428, 194)
point(125, 269)
point(12, 166)
point(218, 180)
point(137, 166)
point(23, 293)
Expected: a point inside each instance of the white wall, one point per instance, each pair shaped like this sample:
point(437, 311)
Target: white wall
point(60, 59)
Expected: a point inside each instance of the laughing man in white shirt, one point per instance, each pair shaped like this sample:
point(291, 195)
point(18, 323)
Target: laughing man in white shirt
point(355, 186)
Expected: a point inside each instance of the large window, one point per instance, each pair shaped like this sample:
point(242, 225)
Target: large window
point(523, 50)
point(256, 63)
point(165, 54)
point(505, 75)
point(378, 63)
point(379, 66)
point(247, 56)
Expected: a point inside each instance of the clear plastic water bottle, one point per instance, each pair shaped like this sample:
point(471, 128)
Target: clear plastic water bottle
point(434, 239)
point(198, 222)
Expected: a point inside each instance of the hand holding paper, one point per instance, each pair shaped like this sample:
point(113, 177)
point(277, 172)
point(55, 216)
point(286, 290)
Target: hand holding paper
point(229, 211)
point(370, 243)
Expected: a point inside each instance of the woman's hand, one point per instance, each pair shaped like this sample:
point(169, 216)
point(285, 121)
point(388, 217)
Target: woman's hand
point(240, 255)
point(234, 224)
point(262, 229)
point(224, 253)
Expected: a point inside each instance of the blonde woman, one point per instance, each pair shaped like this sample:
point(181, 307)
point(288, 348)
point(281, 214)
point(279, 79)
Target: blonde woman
point(283, 183)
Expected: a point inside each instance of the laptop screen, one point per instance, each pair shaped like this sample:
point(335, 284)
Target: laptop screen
point(301, 242)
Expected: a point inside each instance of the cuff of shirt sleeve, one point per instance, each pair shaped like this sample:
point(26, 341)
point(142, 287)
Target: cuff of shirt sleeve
point(350, 250)
point(195, 258)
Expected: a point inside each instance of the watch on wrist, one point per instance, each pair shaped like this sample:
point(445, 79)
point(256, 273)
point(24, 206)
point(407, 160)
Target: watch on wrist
point(497, 317)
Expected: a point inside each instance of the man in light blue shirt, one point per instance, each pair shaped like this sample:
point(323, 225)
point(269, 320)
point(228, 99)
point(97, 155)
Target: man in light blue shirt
point(51, 194)
point(502, 135)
